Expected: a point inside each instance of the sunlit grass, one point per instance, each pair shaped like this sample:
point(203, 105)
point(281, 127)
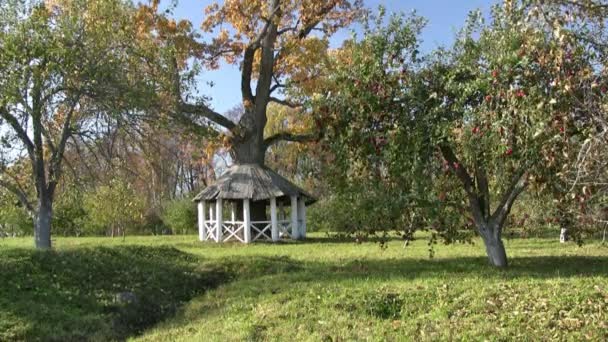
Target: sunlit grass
point(325, 289)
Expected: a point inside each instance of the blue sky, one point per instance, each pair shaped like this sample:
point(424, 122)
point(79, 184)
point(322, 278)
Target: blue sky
point(444, 17)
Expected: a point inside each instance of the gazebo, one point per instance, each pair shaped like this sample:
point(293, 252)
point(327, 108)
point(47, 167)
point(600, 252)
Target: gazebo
point(257, 198)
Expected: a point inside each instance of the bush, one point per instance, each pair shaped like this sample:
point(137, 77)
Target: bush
point(114, 208)
point(180, 216)
point(70, 217)
point(14, 220)
point(358, 210)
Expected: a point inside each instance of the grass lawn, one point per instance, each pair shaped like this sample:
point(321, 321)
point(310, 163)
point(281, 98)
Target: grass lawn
point(319, 290)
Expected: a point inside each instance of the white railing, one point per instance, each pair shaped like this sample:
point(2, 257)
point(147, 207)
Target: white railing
point(285, 229)
point(209, 227)
point(231, 230)
point(261, 229)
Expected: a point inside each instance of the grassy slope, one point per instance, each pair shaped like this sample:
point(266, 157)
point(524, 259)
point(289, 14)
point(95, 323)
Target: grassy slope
point(71, 294)
point(324, 290)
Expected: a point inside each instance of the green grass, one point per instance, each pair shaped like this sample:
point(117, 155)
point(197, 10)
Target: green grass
point(320, 290)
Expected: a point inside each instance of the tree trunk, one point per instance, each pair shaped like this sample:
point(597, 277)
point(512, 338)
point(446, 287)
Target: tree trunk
point(42, 224)
point(249, 150)
point(495, 249)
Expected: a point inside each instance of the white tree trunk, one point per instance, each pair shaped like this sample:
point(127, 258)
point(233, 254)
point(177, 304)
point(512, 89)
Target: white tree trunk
point(42, 224)
point(495, 249)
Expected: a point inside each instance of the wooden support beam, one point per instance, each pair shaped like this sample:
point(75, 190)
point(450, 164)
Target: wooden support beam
point(273, 219)
point(295, 232)
point(218, 220)
point(202, 232)
point(246, 221)
point(302, 217)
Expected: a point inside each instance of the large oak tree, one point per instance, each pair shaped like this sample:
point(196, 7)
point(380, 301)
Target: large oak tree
point(280, 47)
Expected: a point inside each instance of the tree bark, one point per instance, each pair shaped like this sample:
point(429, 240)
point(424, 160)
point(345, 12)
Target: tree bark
point(42, 225)
point(249, 149)
point(495, 249)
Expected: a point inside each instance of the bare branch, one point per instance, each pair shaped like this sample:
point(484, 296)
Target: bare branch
point(206, 112)
point(16, 126)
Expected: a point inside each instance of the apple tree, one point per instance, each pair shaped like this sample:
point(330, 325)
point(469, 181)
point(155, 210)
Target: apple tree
point(463, 131)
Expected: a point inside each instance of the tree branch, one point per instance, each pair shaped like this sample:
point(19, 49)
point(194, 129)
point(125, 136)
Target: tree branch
point(57, 156)
point(458, 169)
point(287, 136)
point(305, 31)
point(466, 180)
point(285, 102)
point(484, 189)
point(248, 57)
point(206, 112)
point(516, 187)
point(16, 126)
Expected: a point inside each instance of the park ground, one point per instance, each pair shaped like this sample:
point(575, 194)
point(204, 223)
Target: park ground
point(319, 290)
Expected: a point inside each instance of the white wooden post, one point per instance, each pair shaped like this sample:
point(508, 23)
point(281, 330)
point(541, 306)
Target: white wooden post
point(202, 233)
point(273, 219)
point(294, 218)
point(218, 220)
point(302, 216)
point(233, 211)
point(246, 220)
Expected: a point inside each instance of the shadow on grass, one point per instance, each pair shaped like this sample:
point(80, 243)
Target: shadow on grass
point(539, 267)
point(77, 294)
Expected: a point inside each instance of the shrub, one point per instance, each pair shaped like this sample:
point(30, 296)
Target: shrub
point(114, 207)
point(70, 217)
point(14, 219)
point(366, 210)
point(180, 216)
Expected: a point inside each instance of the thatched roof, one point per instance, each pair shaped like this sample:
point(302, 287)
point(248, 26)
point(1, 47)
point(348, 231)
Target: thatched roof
point(251, 181)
